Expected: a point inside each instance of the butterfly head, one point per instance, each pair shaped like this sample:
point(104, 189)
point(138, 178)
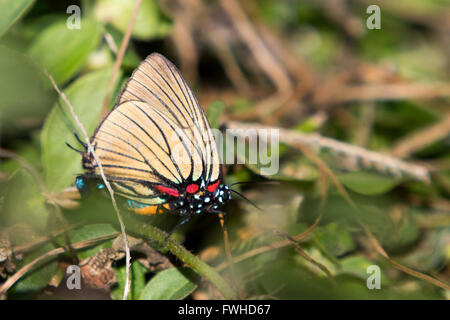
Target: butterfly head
point(204, 199)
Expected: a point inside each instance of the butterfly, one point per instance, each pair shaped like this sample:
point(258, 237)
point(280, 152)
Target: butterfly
point(156, 147)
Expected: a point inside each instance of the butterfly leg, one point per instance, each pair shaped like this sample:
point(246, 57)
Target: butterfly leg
point(221, 214)
point(179, 224)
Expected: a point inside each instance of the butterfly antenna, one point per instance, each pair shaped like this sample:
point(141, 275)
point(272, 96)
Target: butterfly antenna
point(179, 224)
point(247, 199)
point(74, 149)
point(255, 182)
point(79, 140)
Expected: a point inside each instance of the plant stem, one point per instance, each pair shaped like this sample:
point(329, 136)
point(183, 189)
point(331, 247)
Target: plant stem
point(148, 231)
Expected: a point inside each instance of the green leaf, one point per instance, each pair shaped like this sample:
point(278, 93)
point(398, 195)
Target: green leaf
point(32, 26)
point(424, 258)
point(86, 95)
point(92, 231)
point(24, 201)
point(170, 284)
point(24, 99)
point(368, 183)
point(357, 266)
point(63, 51)
point(137, 281)
point(150, 22)
point(335, 238)
point(89, 232)
point(40, 275)
point(214, 112)
point(395, 229)
point(11, 11)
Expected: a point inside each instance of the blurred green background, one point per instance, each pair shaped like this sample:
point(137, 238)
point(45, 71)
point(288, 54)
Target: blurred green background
point(308, 66)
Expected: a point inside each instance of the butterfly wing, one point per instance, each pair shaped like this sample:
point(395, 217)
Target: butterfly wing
point(159, 83)
point(157, 134)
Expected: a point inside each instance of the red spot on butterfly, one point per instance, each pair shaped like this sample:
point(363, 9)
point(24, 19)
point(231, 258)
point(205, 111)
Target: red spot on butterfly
point(213, 187)
point(170, 191)
point(192, 188)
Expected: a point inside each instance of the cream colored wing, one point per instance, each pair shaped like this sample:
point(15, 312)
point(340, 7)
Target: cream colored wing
point(158, 82)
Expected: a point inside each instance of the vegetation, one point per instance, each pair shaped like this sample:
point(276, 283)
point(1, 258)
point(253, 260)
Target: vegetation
point(364, 176)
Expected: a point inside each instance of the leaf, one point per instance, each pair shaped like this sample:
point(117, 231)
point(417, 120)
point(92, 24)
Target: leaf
point(432, 253)
point(63, 51)
point(11, 11)
point(214, 112)
point(170, 284)
point(357, 266)
point(39, 277)
point(21, 109)
point(335, 238)
point(89, 232)
point(150, 22)
point(92, 231)
point(367, 183)
point(137, 281)
point(24, 202)
point(32, 26)
point(61, 164)
point(392, 225)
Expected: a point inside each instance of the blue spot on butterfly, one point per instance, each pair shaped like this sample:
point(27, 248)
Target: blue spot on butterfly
point(100, 186)
point(80, 183)
point(135, 204)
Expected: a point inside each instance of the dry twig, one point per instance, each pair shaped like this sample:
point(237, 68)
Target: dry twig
point(421, 138)
point(57, 251)
point(119, 58)
point(102, 173)
point(272, 246)
point(365, 158)
point(392, 91)
point(263, 56)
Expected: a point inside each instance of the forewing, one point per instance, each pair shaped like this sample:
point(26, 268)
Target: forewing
point(132, 145)
point(159, 84)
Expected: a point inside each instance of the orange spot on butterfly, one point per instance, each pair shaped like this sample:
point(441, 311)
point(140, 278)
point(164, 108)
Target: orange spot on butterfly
point(149, 210)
